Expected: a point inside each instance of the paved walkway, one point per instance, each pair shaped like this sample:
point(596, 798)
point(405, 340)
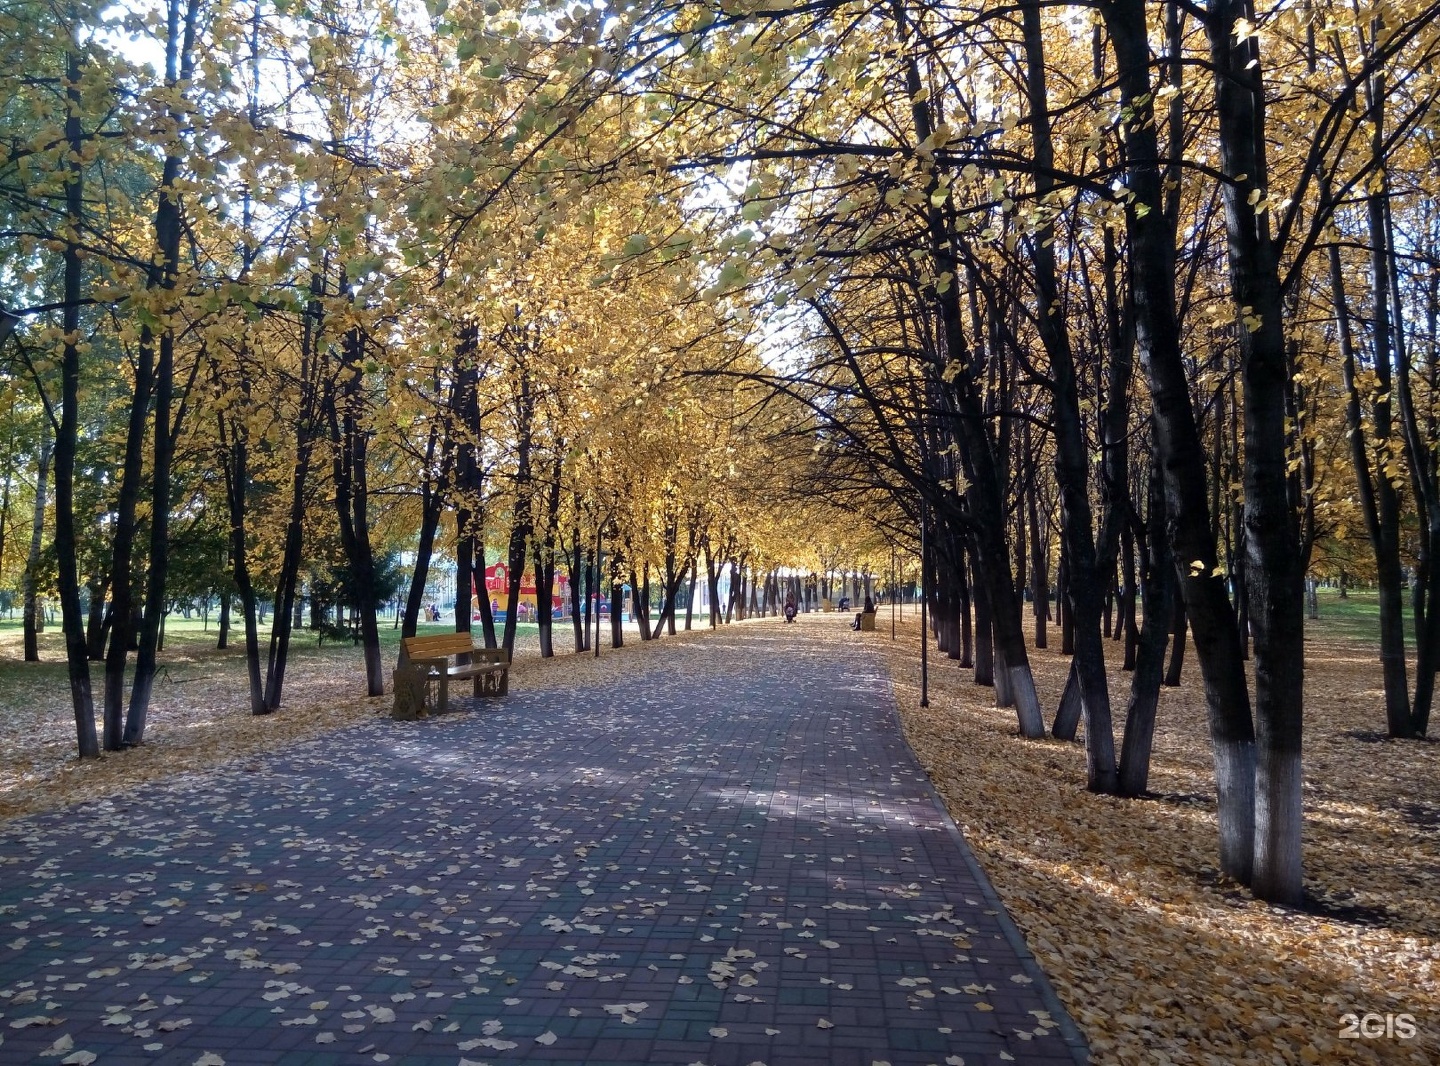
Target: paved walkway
point(733, 859)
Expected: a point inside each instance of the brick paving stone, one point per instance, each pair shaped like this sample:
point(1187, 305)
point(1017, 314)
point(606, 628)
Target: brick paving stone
point(734, 859)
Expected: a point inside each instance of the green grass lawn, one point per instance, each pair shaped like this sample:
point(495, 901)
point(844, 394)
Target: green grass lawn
point(195, 633)
point(1356, 617)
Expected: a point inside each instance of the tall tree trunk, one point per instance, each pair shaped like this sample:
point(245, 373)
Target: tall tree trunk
point(234, 442)
point(1071, 452)
point(690, 597)
point(1039, 574)
point(469, 577)
point(34, 618)
point(968, 425)
point(546, 550)
point(962, 607)
point(522, 524)
point(350, 440)
point(1379, 502)
point(582, 583)
point(617, 603)
point(122, 546)
point(77, 657)
point(1178, 446)
point(306, 428)
point(545, 599)
point(479, 568)
point(222, 621)
point(515, 559)
point(1129, 631)
point(180, 47)
point(151, 630)
point(1177, 645)
point(592, 589)
point(712, 584)
point(1273, 578)
point(1150, 656)
point(984, 634)
point(432, 506)
point(1423, 463)
point(97, 623)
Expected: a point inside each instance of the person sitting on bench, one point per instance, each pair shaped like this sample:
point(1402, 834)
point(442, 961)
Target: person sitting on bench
point(868, 609)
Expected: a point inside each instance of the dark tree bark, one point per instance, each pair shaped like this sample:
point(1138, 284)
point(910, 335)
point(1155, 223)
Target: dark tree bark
point(479, 566)
point(984, 635)
point(222, 621)
point(235, 461)
point(154, 370)
point(967, 422)
point(1379, 502)
point(1071, 453)
point(592, 589)
point(434, 484)
point(466, 581)
point(617, 602)
point(307, 428)
point(1178, 447)
point(640, 600)
point(737, 582)
point(690, 597)
point(97, 623)
point(34, 620)
point(1177, 645)
point(962, 607)
point(1273, 578)
point(1067, 620)
point(347, 409)
point(122, 545)
point(712, 583)
point(580, 612)
point(1039, 573)
point(1140, 714)
point(77, 657)
point(522, 522)
point(546, 549)
point(1128, 631)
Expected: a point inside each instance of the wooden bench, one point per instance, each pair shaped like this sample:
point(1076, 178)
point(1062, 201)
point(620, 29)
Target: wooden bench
point(827, 605)
point(867, 622)
point(489, 667)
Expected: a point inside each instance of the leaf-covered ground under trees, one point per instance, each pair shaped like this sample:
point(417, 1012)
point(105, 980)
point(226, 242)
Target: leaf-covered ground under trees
point(199, 715)
point(1156, 957)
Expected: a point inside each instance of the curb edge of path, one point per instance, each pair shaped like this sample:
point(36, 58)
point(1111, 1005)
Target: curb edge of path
point(1069, 1031)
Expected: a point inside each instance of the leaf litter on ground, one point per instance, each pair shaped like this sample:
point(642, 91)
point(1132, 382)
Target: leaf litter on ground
point(199, 715)
point(1155, 955)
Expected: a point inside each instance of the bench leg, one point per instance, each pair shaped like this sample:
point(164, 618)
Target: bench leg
point(409, 688)
point(493, 684)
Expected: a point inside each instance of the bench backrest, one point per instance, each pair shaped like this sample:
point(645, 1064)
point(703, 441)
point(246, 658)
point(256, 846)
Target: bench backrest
point(437, 645)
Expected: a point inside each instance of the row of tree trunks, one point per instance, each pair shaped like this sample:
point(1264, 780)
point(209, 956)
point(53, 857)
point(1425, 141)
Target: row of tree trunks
point(77, 658)
point(952, 412)
point(307, 422)
point(347, 410)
